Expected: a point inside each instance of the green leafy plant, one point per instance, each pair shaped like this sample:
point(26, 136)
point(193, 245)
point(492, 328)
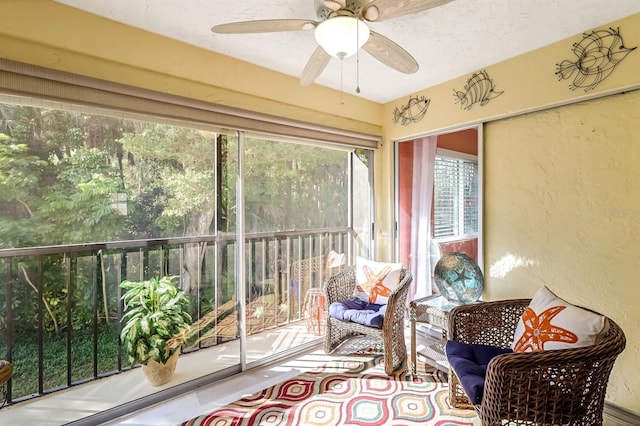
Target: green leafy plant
point(155, 312)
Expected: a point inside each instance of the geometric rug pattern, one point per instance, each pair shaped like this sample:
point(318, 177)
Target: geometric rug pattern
point(350, 391)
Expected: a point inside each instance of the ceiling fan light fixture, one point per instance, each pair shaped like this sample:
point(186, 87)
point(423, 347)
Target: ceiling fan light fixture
point(342, 36)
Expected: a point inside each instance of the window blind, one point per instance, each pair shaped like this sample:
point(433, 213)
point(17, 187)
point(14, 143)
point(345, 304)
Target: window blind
point(28, 80)
point(455, 207)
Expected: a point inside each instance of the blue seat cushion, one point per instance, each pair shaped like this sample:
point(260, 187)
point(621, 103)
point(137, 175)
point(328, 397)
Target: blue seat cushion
point(470, 361)
point(358, 311)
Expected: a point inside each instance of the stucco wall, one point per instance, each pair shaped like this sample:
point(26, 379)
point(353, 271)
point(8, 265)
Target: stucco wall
point(562, 209)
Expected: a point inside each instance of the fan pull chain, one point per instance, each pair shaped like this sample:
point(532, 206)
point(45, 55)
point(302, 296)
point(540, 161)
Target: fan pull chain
point(357, 60)
point(341, 75)
point(358, 72)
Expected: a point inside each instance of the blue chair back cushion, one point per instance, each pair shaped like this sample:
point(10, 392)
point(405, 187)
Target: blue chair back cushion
point(358, 311)
point(470, 361)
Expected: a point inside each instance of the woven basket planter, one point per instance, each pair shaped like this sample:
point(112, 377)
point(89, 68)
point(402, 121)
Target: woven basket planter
point(158, 374)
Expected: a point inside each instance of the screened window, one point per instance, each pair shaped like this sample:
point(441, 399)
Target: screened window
point(82, 177)
point(455, 204)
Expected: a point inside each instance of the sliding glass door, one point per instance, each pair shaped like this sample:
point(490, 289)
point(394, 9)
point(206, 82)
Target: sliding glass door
point(297, 199)
point(438, 201)
point(244, 223)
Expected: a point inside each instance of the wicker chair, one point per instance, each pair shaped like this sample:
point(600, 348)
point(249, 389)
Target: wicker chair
point(389, 340)
point(308, 272)
point(551, 387)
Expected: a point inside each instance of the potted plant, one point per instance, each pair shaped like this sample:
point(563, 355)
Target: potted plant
point(155, 312)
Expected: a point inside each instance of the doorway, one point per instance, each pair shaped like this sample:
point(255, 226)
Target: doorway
point(438, 201)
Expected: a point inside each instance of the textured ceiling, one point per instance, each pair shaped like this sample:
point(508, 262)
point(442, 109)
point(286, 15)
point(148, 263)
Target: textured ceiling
point(448, 41)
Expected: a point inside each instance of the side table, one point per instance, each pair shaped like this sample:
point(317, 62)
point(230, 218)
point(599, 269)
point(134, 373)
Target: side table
point(432, 310)
point(313, 312)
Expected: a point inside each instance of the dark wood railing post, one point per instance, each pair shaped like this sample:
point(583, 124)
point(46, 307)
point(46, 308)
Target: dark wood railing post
point(68, 264)
point(9, 326)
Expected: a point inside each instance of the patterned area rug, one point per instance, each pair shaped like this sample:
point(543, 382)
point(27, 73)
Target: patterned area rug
point(349, 391)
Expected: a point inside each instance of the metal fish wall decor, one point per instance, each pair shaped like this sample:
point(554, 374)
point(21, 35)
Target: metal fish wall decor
point(412, 112)
point(479, 89)
point(597, 53)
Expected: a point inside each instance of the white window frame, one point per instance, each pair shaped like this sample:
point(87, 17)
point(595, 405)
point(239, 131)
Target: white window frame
point(440, 152)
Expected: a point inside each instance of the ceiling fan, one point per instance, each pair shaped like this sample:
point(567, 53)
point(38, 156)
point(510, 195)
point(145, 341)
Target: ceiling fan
point(342, 30)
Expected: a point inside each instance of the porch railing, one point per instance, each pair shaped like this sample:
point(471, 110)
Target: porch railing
point(60, 306)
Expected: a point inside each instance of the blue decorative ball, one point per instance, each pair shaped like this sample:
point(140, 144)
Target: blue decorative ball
point(458, 278)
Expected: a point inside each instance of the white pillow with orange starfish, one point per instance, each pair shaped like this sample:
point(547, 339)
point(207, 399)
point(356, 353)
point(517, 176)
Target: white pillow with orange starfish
point(334, 260)
point(376, 280)
point(550, 322)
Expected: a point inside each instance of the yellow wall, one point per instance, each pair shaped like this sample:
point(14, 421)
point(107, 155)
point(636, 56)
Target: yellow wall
point(529, 83)
point(561, 188)
point(576, 224)
point(562, 209)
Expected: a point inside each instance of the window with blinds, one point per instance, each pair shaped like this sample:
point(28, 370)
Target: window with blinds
point(455, 197)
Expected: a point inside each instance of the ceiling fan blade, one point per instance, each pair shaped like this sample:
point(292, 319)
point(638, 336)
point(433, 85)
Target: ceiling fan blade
point(390, 54)
point(380, 10)
point(316, 64)
point(335, 4)
point(264, 26)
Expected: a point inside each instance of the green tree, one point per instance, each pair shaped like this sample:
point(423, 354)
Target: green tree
point(60, 193)
point(294, 187)
point(173, 169)
point(19, 173)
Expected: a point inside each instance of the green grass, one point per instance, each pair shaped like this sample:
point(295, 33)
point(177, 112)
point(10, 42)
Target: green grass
point(26, 355)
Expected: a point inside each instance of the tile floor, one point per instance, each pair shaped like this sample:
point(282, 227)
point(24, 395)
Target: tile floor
point(207, 399)
point(211, 397)
point(81, 402)
point(68, 407)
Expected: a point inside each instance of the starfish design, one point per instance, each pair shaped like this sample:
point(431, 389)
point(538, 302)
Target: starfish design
point(373, 285)
point(538, 330)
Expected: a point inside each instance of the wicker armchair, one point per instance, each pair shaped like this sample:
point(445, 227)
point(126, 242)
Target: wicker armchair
point(308, 272)
point(550, 387)
point(389, 340)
